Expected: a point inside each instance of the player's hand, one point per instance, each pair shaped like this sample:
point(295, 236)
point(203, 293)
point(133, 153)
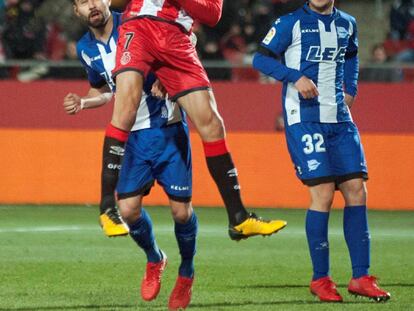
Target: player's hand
point(349, 100)
point(72, 103)
point(306, 88)
point(158, 90)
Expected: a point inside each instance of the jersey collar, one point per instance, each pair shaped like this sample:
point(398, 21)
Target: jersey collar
point(320, 16)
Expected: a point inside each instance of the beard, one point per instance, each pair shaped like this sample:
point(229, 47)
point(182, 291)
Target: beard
point(97, 19)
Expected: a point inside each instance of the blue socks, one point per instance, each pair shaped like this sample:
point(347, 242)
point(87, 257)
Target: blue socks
point(317, 235)
point(141, 232)
point(356, 234)
point(186, 238)
point(357, 238)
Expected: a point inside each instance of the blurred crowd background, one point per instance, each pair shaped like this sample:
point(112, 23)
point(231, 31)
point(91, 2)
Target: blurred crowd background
point(47, 30)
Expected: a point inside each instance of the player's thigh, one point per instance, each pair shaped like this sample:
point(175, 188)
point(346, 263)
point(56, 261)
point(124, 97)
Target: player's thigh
point(129, 91)
point(173, 168)
point(132, 63)
point(135, 177)
point(201, 108)
point(346, 153)
point(307, 148)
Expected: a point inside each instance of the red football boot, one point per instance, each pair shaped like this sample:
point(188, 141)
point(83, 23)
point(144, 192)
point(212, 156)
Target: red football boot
point(151, 283)
point(367, 286)
point(325, 289)
point(181, 295)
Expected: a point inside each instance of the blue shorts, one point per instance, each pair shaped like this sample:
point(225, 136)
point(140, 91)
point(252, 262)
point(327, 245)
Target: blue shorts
point(157, 154)
point(326, 152)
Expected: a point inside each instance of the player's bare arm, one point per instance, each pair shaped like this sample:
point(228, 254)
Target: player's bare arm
point(96, 97)
point(306, 88)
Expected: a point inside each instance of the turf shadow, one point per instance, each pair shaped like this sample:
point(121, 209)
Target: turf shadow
point(269, 303)
point(74, 307)
point(397, 285)
point(281, 286)
point(286, 286)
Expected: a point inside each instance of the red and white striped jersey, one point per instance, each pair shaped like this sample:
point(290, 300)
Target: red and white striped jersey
point(167, 10)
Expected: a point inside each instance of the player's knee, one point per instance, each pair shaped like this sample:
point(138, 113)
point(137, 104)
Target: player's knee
point(211, 128)
point(360, 191)
point(201, 107)
point(355, 194)
point(181, 213)
point(129, 212)
point(323, 200)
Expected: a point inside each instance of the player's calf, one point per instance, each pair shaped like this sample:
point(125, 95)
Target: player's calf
point(113, 151)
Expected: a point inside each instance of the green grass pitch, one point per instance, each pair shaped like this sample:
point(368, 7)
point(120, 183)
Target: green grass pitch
point(57, 258)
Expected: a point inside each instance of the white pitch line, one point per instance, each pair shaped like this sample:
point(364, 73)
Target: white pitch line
point(48, 229)
point(208, 230)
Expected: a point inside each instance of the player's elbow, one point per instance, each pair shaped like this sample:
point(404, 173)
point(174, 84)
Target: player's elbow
point(257, 61)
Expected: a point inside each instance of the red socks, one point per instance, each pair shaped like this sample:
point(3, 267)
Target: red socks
point(215, 148)
point(118, 134)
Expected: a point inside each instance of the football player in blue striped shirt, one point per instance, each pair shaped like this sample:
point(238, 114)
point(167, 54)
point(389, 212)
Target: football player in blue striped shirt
point(314, 52)
point(157, 149)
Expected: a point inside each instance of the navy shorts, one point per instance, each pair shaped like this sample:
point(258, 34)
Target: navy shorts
point(326, 152)
point(157, 154)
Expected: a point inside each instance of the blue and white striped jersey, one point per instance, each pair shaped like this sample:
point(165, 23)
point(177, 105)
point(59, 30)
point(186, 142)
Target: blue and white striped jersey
point(324, 49)
point(98, 58)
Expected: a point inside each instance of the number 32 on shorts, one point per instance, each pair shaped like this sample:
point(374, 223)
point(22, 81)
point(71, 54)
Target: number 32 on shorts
point(313, 143)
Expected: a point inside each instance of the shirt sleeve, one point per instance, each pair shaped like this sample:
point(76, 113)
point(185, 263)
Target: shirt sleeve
point(272, 67)
point(351, 68)
point(279, 37)
point(273, 46)
point(353, 40)
point(94, 78)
